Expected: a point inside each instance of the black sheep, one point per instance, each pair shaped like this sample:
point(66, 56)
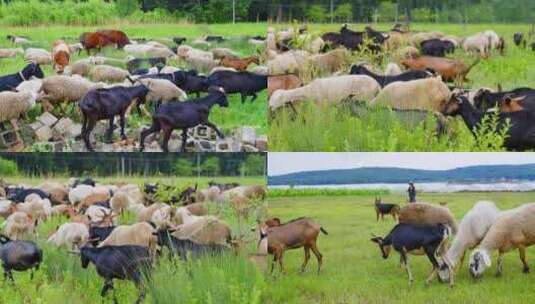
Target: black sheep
point(99, 104)
point(84, 181)
point(386, 80)
point(245, 83)
point(128, 262)
point(11, 81)
point(437, 47)
point(18, 195)
point(19, 256)
point(184, 115)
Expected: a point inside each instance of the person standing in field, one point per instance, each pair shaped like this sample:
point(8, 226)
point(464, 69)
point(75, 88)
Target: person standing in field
point(412, 193)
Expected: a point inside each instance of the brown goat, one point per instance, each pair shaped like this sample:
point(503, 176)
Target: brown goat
point(283, 82)
point(297, 233)
point(61, 55)
point(449, 69)
point(239, 64)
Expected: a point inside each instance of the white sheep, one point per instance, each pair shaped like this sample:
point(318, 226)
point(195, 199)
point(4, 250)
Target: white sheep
point(185, 51)
point(512, 229)
point(311, 44)
point(134, 193)
point(119, 202)
point(287, 63)
point(206, 230)
point(149, 50)
point(472, 229)
point(75, 47)
point(477, 44)
point(59, 88)
point(70, 236)
point(14, 105)
point(220, 53)
point(422, 94)
point(330, 62)
point(392, 69)
point(108, 73)
point(32, 85)
point(493, 38)
point(18, 224)
point(77, 194)
point(331, 90)
point(5, 207)
point(201, 63)
point(163, 90)
point(141, 234)
point(169, 70)
point(40, 56)
point(99, 216)
point(8, 53)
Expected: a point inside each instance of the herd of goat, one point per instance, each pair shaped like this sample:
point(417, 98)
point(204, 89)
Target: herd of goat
point(178, 221)
point(111, 90)
point(425, 229)
point(423, 75)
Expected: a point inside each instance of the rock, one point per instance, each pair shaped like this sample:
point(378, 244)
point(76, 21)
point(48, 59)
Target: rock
point(36, 125)
point(204, 146)
point(228, 144)
point(74, 130)
point(174, 145)
point(78, 146)
point(203, 132)
point(47, 119)
point(249, 148)
point(262, 143)
point(61, 127)
point(247, 135)
point(57, 146)
point(8, 138)
point(44, 133)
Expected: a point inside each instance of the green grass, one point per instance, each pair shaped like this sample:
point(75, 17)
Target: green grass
point(228, 119)
point(225, 279)
point(319, 128)
point(355, 272)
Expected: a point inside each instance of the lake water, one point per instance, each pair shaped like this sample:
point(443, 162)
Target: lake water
point(516, 186)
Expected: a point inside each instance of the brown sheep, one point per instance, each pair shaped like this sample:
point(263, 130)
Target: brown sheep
point(94, 198)
point(61, 55)
point(449, 69)
point(239, 64)
point(198, 209)
point(283, 82)
point(58, 192)
point(428, 214)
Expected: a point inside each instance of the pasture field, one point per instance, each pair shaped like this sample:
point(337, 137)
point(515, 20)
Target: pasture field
point(355, 272)
point(225, 279)
point(228, 119)
point(341, 128)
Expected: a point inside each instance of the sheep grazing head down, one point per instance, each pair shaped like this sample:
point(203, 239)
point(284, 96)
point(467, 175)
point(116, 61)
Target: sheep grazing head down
point(479, 262)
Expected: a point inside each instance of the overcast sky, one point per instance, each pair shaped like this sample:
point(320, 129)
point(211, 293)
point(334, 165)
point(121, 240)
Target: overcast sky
point(283, 163)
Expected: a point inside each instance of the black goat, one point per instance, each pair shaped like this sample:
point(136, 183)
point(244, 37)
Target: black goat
point(134, 64)
point(212, 38)
point(520, 135)
point(437, 47)
point(126, 262)
point(194, 83)
point(179, 40)
point(99, 234)
point(185, 247)
point(151, 188)
point(386, 80)
point(18, 195)
point(187, 195)
point(383, 208)
point(223, 187)
point(11, 81)
point(485, 99)
point(184, 115)
point(84, 181)
point(519, 39)
point(245, 83)
point(99, 104)
point(417, 240)
point(19, 256)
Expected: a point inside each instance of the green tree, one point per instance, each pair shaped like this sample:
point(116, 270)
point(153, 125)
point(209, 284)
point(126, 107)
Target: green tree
point(387, 12)
point(183, 167)
point(210, 167)
point(344, 12)
point(254, 165)
point(316, 13)
point(8, 167)
point(126, 7)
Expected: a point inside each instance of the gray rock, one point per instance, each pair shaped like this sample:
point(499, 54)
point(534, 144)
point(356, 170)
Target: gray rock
point(174, 145)
point(74, 130)
point(47, 119)
point(44, 133)
point(36, 125)
point(262, 143)
point(249, 148)
point(228, 144)
point(204, 146)
point(247, 135)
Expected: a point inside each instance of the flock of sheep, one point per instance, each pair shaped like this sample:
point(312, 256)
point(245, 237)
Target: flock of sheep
point(421, 75)
point(178, 221)
point(161, 81)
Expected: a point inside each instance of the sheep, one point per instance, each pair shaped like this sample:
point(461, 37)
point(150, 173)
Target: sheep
point(80, 67)
point(78, 193)
point(200, 63)
point(18, 224)
point(422, 94)
point(331, 90)
point(392, 69)
point(14, 105)
point(134, 193)
point(207, 230)
point(494, 39)
point(220, 53)
point(283, 82)
point(8, 53)
point(417, 38)
point(330, 62)
point(108, 73)
point(32, 85)
point(99, 216)
point(93, 198)
point(104, 60)
point(149, 50)
point(512, 229)
point(61, 55)
point(406, 52)
point(252, 192)
point(70, 236)
point(145, 213)
point(34, 208)
point(57, 191)
point(477, 43)
point(63, 209)
point(119, 202)
point(141, 234)
point(287, 63)
point(163, 217)
point(313, 45)
point(209, 194)
point(19, 39)
point(57, 89)
point(76, 47)
point(424, 213)
point(472, 229)
point(39, 56)
point(5, 208)
point(185, 51)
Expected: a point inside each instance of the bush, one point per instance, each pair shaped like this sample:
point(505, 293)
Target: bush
point(387, 12)
point(8, 167)
point(183, 167)
point(423, 15)
point(210, 167)
point(316, 13)
point(254, 165)
point(126, 7)
point(344, 13)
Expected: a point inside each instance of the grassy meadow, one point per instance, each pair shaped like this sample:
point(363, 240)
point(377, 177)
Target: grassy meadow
point(341, 128)
point(225, 279)
point(355, 272)
point(228, 119)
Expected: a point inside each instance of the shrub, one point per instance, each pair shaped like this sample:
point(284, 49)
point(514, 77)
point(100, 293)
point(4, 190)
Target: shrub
point(126, 7)
point(316, 13)
point(8, 167)
point(183, 167)
point(387, 12)
point(344, 12)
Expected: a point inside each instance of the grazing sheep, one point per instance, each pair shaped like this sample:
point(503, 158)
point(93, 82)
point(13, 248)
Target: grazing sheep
point(313, 45)
point(512, 229)
point(287, 63)
point(252, 192)
point(423, 213)
point(19, 39)
point(185, 51)
point(78, 193)
point(32, 85)
point(422, 94)
point(220, 53)
point(57, 191)
point(162, 90)
point(392, 69)
point(108, 73)
point(99, 215)
point(198, 209)
point(39, 56)
point(162, 217)
point(57, 89)
point(8, 53)
point(149, 50)
point(61, 55)
point(472, 229)
point(63, 209)
point(80, 67)
point(34, 208)
point(18, 224)
point(206, 230)
point(93, 198)
point(201, 63)
point(283, 82)
point(134, 193)
point(144, 214)
point(330, 62)
point(14, 105)
point(477, 44)
point(406, 52)
point(331, 90)
point(70, 236)
point(141, 234)
point(76, 48)
point(119, 202)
